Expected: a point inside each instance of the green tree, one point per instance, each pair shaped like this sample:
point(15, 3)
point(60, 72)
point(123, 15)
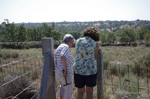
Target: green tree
point(76, 34)
point(34, 35)
point(22, 34)
point(53, 25)
point(147, 39)
point(141, 32)
point(39, 33)
point(103, 37)
point(126, 35)
point(111, 38)
point(46, 30)
point(9, 32)
point(49, 31)
point(55, 34)
point(29, 33)
point(1, 36)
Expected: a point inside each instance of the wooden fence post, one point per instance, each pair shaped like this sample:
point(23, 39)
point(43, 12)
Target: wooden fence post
point(100, 75)
point(48, 90)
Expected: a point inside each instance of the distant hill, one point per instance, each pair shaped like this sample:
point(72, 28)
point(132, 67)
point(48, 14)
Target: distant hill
point(111, 26)
point(111, 31)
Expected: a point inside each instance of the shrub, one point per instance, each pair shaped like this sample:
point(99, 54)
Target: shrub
point(27, 46)
point(130, 84)
point(20, 46)
point(105, 62)
point(147, 59)
point(0, 60)
point(141, 65)
point(35, 75)
point(107, 73)
point(8, 54)
point(113, 69)
point(123, 70)
point(147, 44)
point(15, 87)
point(1, 69)
point(134, 44)
point(1, 53)
point(14, 54)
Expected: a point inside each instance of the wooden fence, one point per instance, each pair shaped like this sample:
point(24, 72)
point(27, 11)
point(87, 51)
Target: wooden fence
point(47, 90)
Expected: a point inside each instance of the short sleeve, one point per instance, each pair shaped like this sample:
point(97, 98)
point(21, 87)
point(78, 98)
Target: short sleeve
point(65, 50)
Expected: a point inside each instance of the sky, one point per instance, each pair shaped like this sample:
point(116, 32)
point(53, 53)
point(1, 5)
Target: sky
point(19, 11)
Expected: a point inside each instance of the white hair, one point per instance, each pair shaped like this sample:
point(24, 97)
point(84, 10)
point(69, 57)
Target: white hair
point(68, 37)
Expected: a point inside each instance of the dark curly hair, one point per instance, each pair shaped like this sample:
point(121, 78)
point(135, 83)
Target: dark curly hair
point(92, 32)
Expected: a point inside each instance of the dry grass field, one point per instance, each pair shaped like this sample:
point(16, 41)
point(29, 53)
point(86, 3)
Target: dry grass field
point(18, 70)
point(118, 60)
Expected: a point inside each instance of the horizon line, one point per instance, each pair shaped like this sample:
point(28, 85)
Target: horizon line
point(75, 21)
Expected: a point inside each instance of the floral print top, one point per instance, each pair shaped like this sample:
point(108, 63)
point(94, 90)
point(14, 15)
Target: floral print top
point(85, 63)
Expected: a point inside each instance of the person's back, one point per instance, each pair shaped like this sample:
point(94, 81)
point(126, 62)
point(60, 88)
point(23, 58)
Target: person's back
point(64, 49)
point(63, 62)
point(85, 69)
point(85, 56)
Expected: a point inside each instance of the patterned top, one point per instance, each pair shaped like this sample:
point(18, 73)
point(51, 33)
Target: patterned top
point(63, 49)
point(85, 63)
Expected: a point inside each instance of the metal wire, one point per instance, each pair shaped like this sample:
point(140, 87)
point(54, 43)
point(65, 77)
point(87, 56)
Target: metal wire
point(35, 94)
point(24, 89)
point(19, 77)
point(17, 61)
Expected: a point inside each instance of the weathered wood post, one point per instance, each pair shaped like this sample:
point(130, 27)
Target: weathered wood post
point(47, 90)
point(100, 75)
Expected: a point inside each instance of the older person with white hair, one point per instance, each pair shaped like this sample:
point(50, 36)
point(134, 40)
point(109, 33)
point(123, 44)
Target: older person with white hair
point(64, 67)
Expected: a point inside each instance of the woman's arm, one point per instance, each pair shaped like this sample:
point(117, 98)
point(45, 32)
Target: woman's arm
point(64, 63)
point(96, 52)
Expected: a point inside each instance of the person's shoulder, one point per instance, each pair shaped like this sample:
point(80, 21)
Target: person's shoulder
point(80, 39)
point(65, 46)
point(97, 45)
point(62, 45)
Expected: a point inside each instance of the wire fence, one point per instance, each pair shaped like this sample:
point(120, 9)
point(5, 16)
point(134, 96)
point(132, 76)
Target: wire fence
point(127, 81)
point(20, 70)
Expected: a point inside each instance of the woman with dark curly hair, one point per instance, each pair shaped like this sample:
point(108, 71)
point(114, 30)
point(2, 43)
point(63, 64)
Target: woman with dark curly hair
point(85, 69)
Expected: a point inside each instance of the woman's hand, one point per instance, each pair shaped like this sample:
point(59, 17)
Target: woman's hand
point(65, 74)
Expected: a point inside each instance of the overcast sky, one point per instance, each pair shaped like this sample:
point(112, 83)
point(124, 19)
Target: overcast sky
point(19, 11)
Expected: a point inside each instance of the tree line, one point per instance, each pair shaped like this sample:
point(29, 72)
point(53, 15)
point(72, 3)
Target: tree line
point(111, 32)
point(9, 32)
point(126, 36)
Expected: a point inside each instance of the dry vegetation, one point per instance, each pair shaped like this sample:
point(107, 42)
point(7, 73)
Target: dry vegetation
point(119, 79)
point(115, 59)
point(25, 68)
